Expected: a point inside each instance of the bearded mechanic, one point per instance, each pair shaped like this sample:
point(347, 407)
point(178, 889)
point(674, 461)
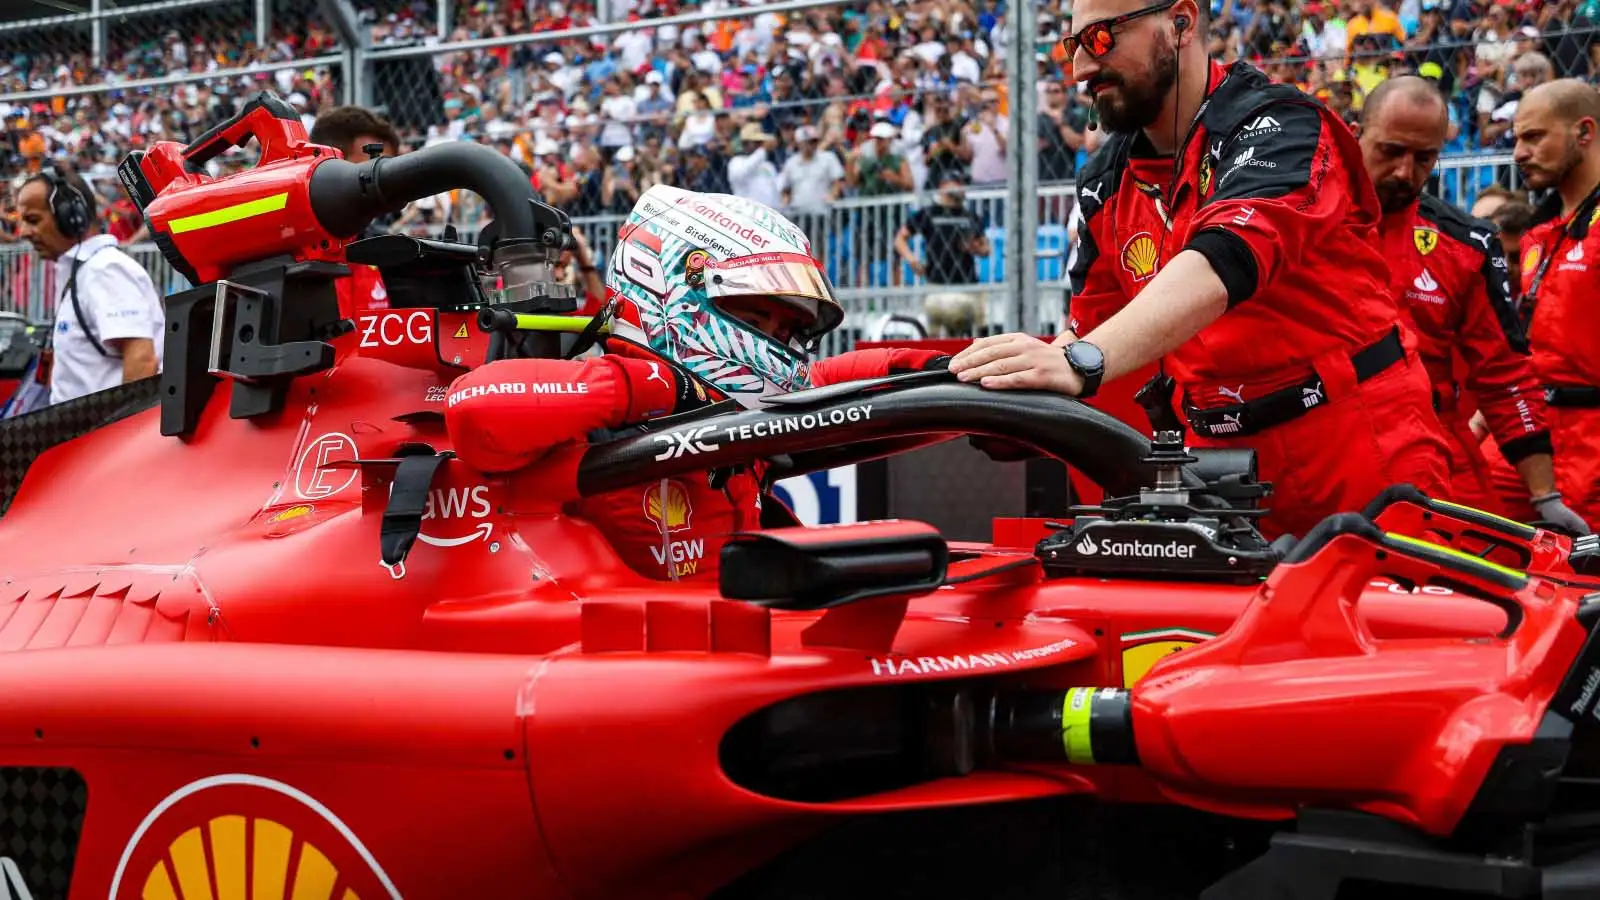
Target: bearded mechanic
point(1230, 227)
point(1557, 130)
point(713, 297)
point(1450, 271)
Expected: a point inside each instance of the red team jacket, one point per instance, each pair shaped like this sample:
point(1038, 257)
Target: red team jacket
point(1566, 345)
point(1272, 191)
point(669, 530)
point(1451, 272)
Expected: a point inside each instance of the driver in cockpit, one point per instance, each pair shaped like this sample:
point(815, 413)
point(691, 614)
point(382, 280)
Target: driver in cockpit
point(711, 297)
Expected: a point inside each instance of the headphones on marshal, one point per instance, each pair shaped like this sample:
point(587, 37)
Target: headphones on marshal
point(67, 204)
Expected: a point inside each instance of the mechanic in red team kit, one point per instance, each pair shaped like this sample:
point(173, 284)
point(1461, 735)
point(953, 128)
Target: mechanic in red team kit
point(1557, 129)
point(1250, 262)
point(1450, 270)
point(713, 296)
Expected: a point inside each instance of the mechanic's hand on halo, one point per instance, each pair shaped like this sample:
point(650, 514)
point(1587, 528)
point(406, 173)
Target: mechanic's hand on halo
point(1552, 510)
point(1016, 361)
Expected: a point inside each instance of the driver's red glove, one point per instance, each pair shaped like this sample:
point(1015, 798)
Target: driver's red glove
point(507, 414)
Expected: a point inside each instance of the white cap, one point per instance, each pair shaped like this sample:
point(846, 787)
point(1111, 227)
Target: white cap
point(555, 58)
point(882, 130)
point(653, 77)
point(625, 153)
point(546, 147)
point(805, 133)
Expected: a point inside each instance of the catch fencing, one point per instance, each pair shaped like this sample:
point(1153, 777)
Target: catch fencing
point(881, 293)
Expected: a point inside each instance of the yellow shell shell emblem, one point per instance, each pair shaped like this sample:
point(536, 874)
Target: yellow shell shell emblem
point(247, 858)
point(678, 511)
point(1139, 256)
point(1426, 239)
point(1530, 260)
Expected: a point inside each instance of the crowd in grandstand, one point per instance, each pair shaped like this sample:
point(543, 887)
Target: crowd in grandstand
point(863, 98)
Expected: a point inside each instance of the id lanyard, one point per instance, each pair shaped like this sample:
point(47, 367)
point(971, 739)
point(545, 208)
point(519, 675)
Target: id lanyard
point(1578, 222)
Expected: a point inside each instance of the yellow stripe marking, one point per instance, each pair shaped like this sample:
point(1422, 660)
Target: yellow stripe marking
point(1517, 526)
point(575, 324)
point(1468, 557)
point(234, 213)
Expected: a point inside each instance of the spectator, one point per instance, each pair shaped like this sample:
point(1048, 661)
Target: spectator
point(987, 138)
point(953, 239)
point(944, 142)
point(619, 187)
point(752, 174)
point(810, 182)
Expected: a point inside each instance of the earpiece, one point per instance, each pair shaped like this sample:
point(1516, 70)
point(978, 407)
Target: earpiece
point(1182, 22)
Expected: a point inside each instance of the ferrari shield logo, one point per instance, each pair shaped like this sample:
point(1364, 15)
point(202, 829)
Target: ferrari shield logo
point(1205, 175)
point(1426, 239)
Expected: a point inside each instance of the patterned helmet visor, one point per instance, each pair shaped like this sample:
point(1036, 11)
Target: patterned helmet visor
point(793, 277)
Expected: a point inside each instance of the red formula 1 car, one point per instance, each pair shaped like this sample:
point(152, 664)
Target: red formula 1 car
point(265, 637)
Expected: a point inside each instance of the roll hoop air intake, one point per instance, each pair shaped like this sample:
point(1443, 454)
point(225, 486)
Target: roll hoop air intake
point(345, 196)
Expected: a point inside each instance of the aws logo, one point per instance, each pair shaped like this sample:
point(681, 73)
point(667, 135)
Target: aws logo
point(236, 836)
point(1141, 650)
point(1139, 256)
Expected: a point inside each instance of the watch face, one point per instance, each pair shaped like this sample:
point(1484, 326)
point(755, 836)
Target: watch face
point(1086, 357)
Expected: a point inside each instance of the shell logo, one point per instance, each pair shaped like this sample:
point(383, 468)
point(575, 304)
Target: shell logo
point(1139, 256)
point(244, 852)
point(243, 837)
point(1530, 260)
point(677, 512)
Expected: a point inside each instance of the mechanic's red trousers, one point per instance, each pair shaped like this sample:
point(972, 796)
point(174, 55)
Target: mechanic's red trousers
point(1509, 488)
point(1340, 455)
point(1471, 479)
point(1575, 436)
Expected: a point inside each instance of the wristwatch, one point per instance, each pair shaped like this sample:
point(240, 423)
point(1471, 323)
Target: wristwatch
point(1090, 364)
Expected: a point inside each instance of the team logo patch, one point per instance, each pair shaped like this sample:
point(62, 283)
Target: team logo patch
point(1530, 260)
point(1426, 239)
point(668, 508)
point(1139, 256)
point(1205, 175)
point(1595, 217)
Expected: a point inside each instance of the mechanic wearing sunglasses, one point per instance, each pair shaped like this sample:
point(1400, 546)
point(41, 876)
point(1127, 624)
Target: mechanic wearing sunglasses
point(1230, 230)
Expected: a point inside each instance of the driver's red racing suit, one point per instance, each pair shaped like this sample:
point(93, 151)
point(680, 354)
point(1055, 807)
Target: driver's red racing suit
point(1308, 365)
point(671, 529)
point(1451, 272)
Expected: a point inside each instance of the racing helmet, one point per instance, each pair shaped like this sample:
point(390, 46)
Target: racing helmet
point(687, 269)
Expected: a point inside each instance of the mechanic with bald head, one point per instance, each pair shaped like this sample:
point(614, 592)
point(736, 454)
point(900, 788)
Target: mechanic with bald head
point(1450, 271)
point(1557, 129)
point(1231, 230)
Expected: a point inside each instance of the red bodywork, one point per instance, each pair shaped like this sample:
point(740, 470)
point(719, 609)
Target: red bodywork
point(512, 712)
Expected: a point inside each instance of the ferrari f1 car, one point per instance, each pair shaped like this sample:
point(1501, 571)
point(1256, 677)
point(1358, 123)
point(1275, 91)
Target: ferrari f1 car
point(265, 637)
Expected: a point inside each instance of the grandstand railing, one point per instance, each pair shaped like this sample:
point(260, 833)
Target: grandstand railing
point(854, 240)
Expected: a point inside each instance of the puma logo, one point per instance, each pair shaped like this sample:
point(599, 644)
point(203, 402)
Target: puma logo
point(1236, 395)
point(655, 375)
point(1091, 192)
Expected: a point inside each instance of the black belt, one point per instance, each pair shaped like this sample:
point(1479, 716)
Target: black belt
point(1565, 395)
point(1293, 401)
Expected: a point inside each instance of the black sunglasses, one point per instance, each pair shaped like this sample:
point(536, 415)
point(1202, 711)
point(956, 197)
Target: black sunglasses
point(1100, 38)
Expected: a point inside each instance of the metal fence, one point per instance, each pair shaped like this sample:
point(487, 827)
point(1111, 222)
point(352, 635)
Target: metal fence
point(855, 243)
